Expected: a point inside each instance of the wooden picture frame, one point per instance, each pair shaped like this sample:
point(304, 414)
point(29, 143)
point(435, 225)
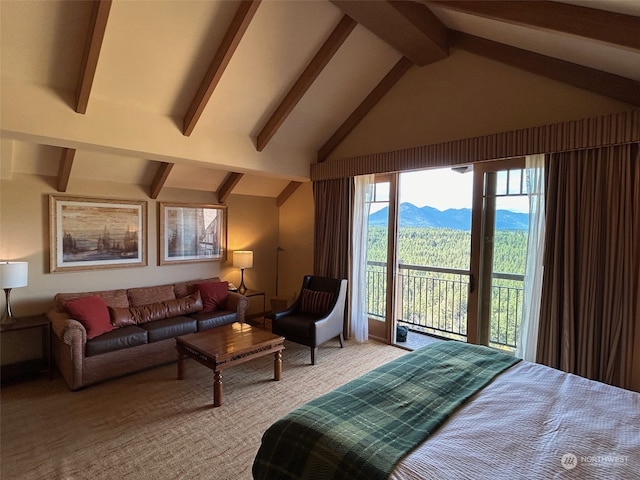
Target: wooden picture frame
point(87, 233)
point(192, 233)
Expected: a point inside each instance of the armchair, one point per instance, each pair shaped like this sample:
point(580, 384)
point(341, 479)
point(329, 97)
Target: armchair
point(316, 316)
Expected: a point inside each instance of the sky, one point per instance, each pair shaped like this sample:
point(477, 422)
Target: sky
point(445, 188)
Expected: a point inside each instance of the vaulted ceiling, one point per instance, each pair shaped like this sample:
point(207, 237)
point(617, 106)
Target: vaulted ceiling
point(242, 96)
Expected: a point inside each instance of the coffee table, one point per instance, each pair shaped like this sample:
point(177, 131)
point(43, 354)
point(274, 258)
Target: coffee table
point(222, 347)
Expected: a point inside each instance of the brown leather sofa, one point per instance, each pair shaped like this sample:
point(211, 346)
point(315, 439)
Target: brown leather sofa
point(147, 320)
point(316, 316)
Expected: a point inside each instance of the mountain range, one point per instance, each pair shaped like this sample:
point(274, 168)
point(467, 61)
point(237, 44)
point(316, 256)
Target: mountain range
point(452, 218)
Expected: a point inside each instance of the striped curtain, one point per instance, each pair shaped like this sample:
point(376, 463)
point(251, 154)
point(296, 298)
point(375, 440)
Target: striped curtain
point(332, 200)
point(589, 306)
point(331, 247)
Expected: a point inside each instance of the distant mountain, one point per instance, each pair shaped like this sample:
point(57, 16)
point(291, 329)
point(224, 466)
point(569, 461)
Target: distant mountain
point(452, 218)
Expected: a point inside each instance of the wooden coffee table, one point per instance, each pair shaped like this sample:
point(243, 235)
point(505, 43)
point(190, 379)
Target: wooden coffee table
point(222, 347)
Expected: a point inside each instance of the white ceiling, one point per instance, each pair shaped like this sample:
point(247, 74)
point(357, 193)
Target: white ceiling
point(155, 54)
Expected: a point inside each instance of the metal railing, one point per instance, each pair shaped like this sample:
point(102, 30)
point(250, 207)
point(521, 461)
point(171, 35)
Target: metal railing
point(434, 300)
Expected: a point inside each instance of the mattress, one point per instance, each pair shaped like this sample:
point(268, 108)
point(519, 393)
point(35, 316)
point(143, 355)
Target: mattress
point(534, 422)
point(529, 421)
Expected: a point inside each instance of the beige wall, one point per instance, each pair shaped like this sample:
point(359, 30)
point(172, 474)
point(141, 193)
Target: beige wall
point(253, 225)
point(24, 235)
point(296, 238)
point(466, 96)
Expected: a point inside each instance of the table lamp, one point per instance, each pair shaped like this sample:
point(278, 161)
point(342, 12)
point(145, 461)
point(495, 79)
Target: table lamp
point(12, 275)
point(242, 259)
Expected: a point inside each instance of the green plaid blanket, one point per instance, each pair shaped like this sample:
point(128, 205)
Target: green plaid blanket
point(362, 429)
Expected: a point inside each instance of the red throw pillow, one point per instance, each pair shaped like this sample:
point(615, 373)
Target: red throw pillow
point(214, 295)
point(92, 312)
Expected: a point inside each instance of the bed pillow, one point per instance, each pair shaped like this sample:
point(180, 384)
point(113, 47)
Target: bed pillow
point(316, 302)
point(92, 313)
point(214, 295)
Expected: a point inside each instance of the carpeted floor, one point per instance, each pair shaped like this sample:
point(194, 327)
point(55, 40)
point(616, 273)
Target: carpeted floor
point(151, 426)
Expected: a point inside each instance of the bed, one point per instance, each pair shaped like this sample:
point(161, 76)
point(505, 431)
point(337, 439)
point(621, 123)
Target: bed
point(457, 411)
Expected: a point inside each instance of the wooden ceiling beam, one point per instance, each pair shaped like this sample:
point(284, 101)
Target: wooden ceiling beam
point(409, 27)
point(160, 178)
point(227, 48)
point(306, 79)
point(608, 27)
point(603, 83)
point(64, 171)
point(390, 79)
point(95, 37)
point(287, 192)
point(228, 185)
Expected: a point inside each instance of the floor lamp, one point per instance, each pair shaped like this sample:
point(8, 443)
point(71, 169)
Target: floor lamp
point(12, 275)
point(242, 259)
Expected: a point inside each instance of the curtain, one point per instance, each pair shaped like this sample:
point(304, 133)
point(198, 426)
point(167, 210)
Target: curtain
point(331, 252)
point(362, 196)
point(332, 200)
point(528, 335)
point(589, 307)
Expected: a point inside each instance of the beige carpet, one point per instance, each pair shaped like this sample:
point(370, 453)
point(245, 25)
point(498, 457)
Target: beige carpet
point(151, 426)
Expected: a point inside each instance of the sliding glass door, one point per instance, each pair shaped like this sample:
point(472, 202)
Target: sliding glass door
point(434, 249)
point(446, 253)
point(380, 257)
point(501, 223)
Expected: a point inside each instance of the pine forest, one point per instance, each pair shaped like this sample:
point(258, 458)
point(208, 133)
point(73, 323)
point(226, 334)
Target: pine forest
point(436, 302)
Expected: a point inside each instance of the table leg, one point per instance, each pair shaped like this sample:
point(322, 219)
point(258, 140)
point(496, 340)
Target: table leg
point(217, 388)
point(277, 365)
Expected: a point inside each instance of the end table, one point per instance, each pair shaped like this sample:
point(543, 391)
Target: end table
point(256, 293)
point(34, 321)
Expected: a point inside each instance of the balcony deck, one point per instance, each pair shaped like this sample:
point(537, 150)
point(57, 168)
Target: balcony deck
point(432, 303)
point(416, 339)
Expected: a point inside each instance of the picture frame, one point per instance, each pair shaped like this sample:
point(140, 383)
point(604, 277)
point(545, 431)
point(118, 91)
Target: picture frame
point(88, 233)
point(192, 233)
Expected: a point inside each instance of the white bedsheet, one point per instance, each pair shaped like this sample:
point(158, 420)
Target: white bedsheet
point(534, 422)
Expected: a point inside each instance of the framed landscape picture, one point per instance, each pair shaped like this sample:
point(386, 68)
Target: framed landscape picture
point(94, 233)
point(192, 233)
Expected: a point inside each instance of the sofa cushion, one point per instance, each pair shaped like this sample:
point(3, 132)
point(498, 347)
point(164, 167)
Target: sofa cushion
point(147, 295)
point(114, 298)
point(117, 339)
point(92, 312)
point(214, 295)
point(169, 328)
point(184, 305)
point(207, 320)
point(316, 302)
point(156, 311)
point(121, 317)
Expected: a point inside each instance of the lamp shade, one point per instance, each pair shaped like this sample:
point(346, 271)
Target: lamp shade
point(243, 259)
point(14, 274)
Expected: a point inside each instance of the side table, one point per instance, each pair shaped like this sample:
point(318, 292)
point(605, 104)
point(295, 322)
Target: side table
point(256, 293)
point(34, 321)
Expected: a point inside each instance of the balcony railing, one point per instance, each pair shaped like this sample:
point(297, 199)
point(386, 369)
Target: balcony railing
point(434, 300)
